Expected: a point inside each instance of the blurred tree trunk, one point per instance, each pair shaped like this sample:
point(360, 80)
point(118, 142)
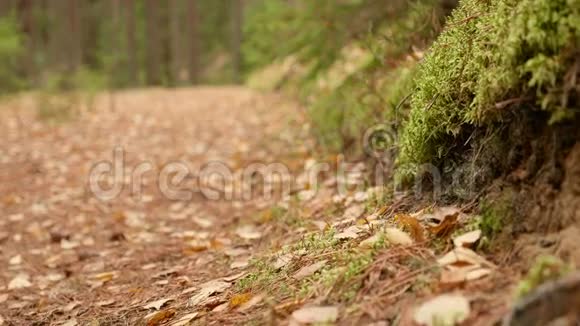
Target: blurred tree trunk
point(74, 35)
point(26, 13)
point(176, 39)
point(6, 7)
point(192, 41)
point(237, 24)
point(154, 45)
point(131, 34)
point(57, 35)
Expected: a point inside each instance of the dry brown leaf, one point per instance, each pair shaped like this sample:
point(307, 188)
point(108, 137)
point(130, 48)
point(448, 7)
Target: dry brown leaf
point(252, 302)
point(446, 309)
point(467, 239)
point(240, 263)
point(207, 289)
point(233, 277)
point(463, 257)
point(463, 274)
point(16, 260)
point(353, 212)
point(306, 271)
point(157, 304)
point(185, 320)
point(397, 237)
point(21, 281)
point(248, 232)
point(349, 233)
point(105, 303)
point(412, 225)
point(282, 261)
point(70, 322)
point(446, 227)
point(370, 242)
point(316, 314)
point(158, 317)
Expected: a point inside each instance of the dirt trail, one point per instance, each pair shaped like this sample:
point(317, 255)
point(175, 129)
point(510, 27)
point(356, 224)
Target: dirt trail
point(68, 257)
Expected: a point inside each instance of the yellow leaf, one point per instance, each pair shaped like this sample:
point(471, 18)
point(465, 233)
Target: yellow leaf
point(240, 299)
point(160, 316)
point(411, 225)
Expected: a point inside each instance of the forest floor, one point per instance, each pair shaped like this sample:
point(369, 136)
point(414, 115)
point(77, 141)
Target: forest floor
point(163, 251)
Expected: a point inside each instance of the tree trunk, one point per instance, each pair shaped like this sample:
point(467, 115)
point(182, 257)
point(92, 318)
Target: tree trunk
point(132, 59)
point(154, 44)
point(176, 38)
point(237, 23)
point(74, 35)
point(192, 41)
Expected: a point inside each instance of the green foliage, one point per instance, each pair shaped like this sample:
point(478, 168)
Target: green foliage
point(11, 46)
point(545, 268)
point(491, 51)
point(313, 31)
point(372, 94)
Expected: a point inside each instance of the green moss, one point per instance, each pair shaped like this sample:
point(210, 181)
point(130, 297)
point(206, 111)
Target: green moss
point(491, 51)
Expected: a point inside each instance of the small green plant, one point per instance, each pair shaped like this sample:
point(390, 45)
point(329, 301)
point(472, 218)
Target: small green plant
point(545, 268)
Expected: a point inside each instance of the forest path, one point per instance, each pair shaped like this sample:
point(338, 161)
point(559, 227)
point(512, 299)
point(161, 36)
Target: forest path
point(69, 257)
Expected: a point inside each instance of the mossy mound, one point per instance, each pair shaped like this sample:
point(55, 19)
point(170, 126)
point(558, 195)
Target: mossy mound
point(493, 55)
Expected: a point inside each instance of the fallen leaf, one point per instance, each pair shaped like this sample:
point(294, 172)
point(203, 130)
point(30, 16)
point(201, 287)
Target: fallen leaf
point(467, 239)
point(207, 289)
point(105, 303)
point(157, 304)
point(240, 263)
point(248, 232)
point(221, 307)
point(71, 306)
point(463, 274)
point(412, 225)
point(233, 277)
point(252, 302)
point(461, 257)
point(349, 233)
point(105, 277)
point(370, 242)
point(239, 299)
point(66, 244)
point(439, 214)
point(235, 252)
point(447, 309)
point(306, 271)
point(397, 237)
point(19, 282)
point(282, 261)
point(16, 260)
point(70, 322)
point(185, 320)
point(446, 227)
point(353, 212)
point(158, 317)
point(203, 222)
point(316, 314)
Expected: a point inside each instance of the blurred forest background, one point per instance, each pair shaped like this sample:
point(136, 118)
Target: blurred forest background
point(118, 43)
